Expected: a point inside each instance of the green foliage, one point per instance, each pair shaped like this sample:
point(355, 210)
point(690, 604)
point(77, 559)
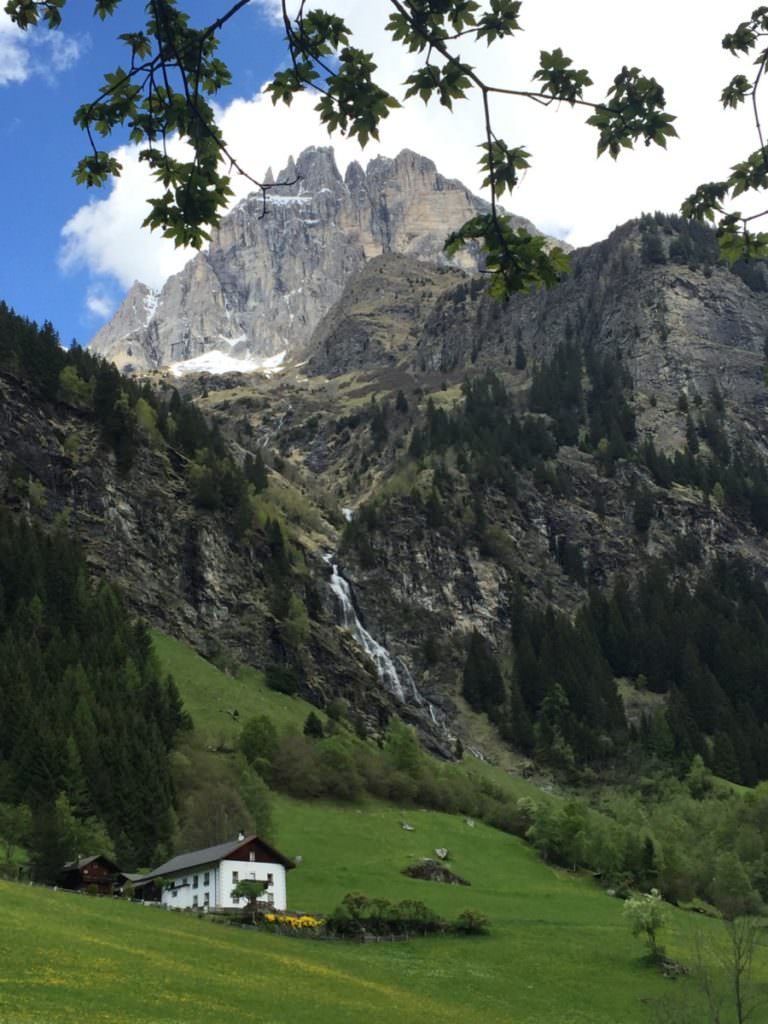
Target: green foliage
point(517, 260)
point(216, 796)
point(73, 389)
point(732, 890)
point(557, 389)
point(643, 510)
point(282, 678)
point(257, 797)
point(521, 360)
point(87, 709)
point(358, 915)
point(646, 917)
point(255, 471)
point(652, 248)
point(15, 828)
point(58, 836)
point(737, 240)
point(493, 442)
point(259, 742)
point(295, 628)
point(129, 415)
point(664, 631)
point(313, 726)
point(482, 685)
point(562, 683)
point(470, 922)
point(249, 890)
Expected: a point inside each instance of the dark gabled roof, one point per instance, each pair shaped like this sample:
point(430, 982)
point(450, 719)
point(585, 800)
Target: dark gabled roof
point(211, 854)
point(78, 865)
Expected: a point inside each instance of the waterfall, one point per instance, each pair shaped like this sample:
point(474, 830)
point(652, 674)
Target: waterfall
point(380, 656)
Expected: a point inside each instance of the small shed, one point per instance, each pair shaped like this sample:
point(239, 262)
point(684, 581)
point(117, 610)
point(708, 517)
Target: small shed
point(91, 874)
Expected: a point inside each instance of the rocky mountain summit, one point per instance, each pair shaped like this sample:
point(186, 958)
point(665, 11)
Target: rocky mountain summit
point(274, 268)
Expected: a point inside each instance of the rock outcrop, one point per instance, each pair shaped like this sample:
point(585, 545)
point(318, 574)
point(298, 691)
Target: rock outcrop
point(275, 267)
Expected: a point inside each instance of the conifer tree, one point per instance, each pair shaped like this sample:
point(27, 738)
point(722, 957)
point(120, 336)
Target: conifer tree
point(482, 684)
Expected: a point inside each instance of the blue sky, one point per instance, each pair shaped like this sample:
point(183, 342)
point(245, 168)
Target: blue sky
point(71, 254)
point(41, 145)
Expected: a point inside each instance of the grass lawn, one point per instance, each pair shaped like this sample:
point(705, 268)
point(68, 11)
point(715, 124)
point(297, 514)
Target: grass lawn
point(559, 951)
point(208, 693)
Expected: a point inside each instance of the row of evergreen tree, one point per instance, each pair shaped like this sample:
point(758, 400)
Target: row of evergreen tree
point(86, 710)
point(130, 414)
point(494, 443)
point(704, 649)
point(585, 393)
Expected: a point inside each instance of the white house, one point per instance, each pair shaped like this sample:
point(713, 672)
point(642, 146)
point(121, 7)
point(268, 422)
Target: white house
point(206, 878)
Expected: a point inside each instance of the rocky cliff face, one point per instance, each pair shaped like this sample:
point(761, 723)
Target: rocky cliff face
point(274, 269)
point(432, 552)
point(679, 329)
point(683, 331)
point(180, 567)
point(376, 320)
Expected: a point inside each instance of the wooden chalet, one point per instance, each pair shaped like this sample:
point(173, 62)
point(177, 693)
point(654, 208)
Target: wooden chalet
point(92, 874)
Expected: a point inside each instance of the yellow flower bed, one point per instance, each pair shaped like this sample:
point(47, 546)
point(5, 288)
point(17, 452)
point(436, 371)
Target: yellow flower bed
point(294, 921)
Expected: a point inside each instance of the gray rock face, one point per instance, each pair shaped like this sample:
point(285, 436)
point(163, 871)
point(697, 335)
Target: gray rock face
point(274, 268)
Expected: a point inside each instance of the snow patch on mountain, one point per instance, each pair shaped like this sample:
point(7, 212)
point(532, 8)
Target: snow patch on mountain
point(217, 361)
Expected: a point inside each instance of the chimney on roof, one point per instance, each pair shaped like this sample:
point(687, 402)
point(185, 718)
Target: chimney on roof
point(241, 835)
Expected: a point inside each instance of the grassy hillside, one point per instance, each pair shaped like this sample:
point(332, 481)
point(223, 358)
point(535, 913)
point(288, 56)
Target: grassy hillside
point(208, 693)
point(559, 952)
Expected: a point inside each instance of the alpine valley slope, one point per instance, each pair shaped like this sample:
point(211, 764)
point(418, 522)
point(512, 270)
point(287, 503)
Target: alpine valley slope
point(667, 411)
point(273, 270)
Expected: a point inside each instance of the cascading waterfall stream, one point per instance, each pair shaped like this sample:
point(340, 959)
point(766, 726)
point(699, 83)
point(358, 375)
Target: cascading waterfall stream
point(385, 667)
point(391, 679)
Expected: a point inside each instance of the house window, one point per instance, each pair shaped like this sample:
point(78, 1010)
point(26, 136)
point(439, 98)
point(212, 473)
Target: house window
point(270, 879)
point(235, 877)
point(207, 878)
point(206, 899)
point(185, 881)
point(194, 901)
point(253, 855)
point(174, 893)
point(194, 881)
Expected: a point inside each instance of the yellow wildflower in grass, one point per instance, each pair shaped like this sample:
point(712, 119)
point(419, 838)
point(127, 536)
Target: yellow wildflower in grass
point(295, 922)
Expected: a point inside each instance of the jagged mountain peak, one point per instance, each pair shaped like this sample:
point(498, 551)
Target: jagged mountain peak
point(315, 168)
point(266, 281)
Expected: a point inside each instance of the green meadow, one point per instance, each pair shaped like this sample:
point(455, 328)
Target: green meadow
point(208, 693)
point(559, 951)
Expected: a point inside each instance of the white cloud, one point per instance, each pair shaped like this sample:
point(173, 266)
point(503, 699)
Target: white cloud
point(99, 302)
point(35, 51)
point(106, 237)
point(566, 190)
point(65, 50)
point(14, 59)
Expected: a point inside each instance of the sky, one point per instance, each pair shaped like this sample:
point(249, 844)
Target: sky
point(72, 253)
